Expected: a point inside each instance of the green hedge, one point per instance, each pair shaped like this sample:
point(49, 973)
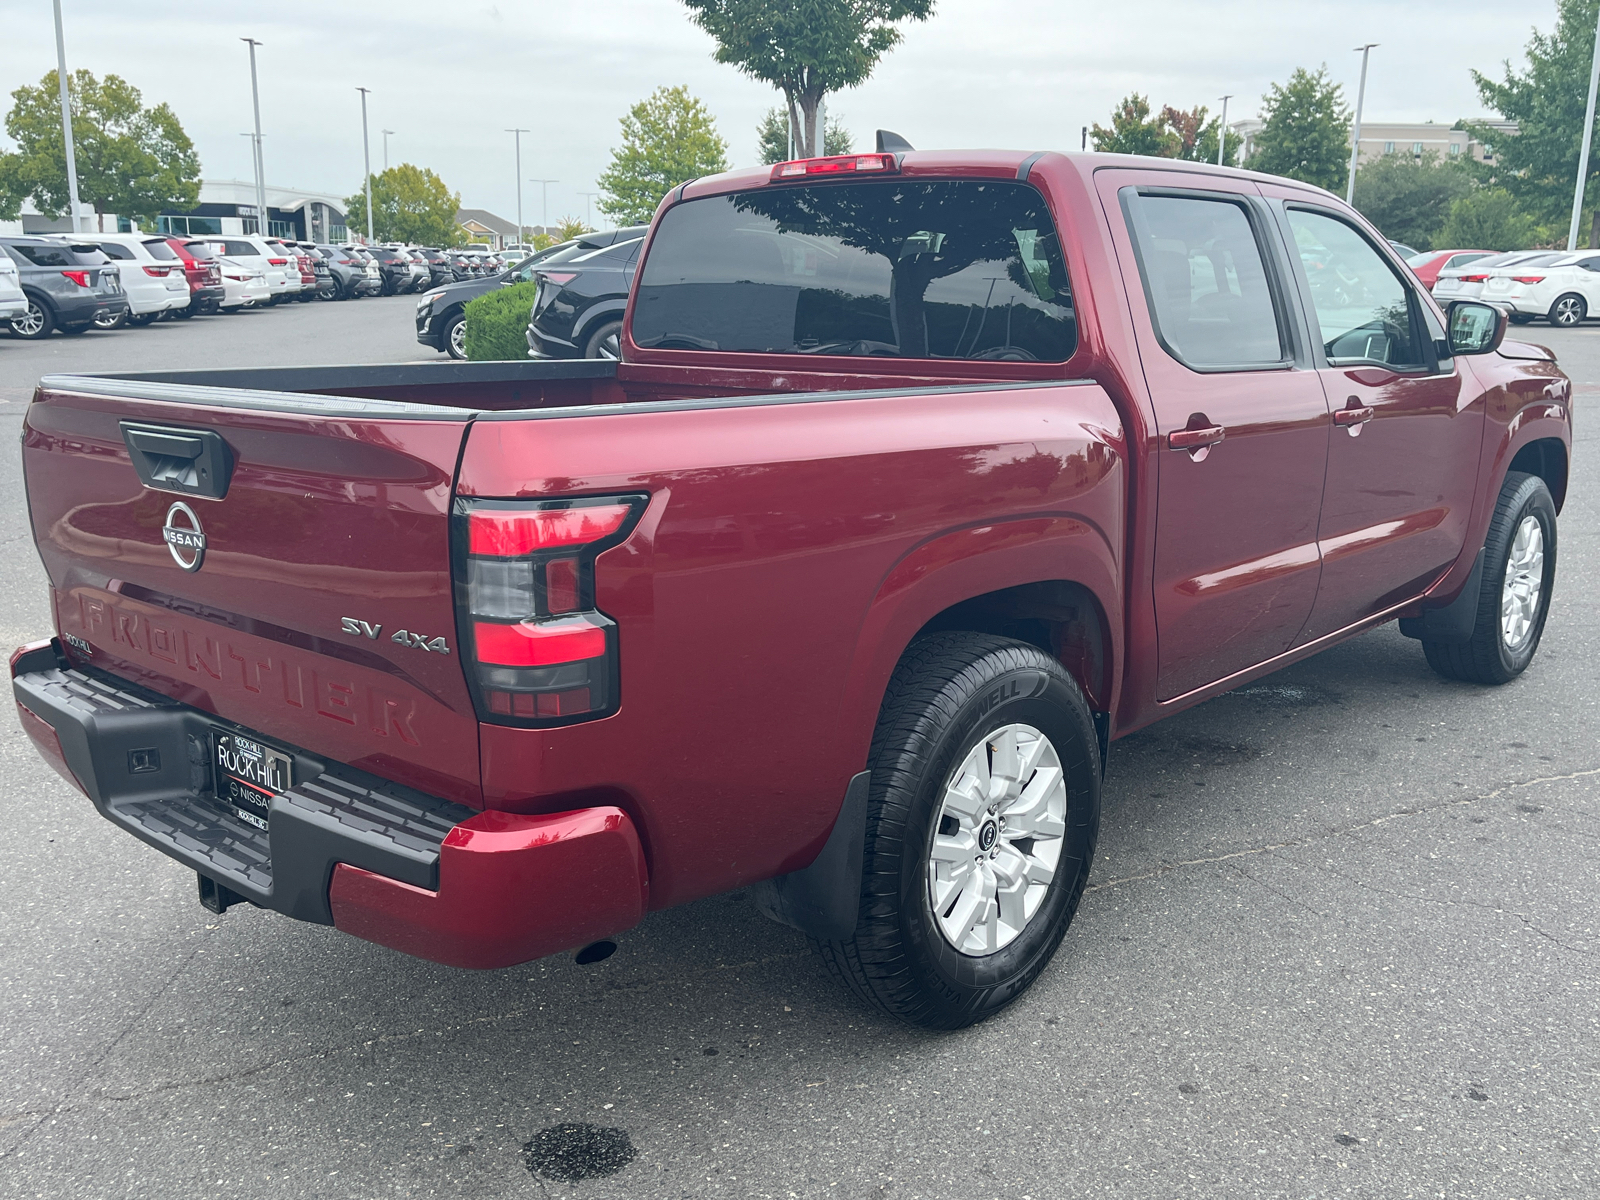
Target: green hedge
point(497, 323)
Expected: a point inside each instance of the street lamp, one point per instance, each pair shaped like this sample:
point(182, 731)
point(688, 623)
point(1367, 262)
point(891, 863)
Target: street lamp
point(261, 165)
point(1583, 156)
point(518, 134)
point(588, 209)
point(366, 160)
point(386, 133)
point(1355, 134)
point(1222, 129)
point(80, 223)
point(544, 191)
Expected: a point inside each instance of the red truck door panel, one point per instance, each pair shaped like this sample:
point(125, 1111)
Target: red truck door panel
point(1407, 433)
point(1241, 420)
point(331, 538)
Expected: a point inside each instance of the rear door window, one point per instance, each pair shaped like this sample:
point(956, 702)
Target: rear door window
point(158, 249)
point(44, 256)
point(1205, 280)
point(117, 251)
point(958, 269)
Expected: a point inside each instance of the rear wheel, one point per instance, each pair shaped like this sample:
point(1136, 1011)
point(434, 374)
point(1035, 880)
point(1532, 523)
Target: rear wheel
point(137, 319)
point(605, 342)
point(1519, 571)
point(1568, 310)
point(37, 322)
point(981, 824)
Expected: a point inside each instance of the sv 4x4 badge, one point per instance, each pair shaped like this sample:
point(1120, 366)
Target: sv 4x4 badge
point(402, 637)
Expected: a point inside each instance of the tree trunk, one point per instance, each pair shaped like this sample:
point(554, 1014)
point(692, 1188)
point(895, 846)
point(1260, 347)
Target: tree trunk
point(796, 141)
point(810, 98)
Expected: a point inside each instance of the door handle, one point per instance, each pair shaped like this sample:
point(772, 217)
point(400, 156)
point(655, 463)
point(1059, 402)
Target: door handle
point(1353, 416)
point(1195, 439)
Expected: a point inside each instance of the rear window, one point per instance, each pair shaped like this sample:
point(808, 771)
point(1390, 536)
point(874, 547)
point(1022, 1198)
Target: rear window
point(964, 269)
point(198, 249)
point(114, 250)
point(159, 249)
point(247, 249)
point(60, 256)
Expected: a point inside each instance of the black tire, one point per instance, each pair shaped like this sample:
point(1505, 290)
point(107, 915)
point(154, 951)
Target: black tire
point(184, 313)
point(1522, 318)
point(1568, 310)
point(1486, 657)
point(74, 330)
point(141, 319)
point(605, 342)
point(38, 322)
point(114, 321)
point(454, 336)
point(949, 693)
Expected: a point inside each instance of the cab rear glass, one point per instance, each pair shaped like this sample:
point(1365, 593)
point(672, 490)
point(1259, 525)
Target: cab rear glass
point(951, 269)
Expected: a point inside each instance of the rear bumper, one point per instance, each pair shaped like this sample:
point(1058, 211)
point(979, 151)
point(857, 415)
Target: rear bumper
point(413, 872)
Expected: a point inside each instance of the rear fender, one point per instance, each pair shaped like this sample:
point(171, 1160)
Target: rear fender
point(966, 563)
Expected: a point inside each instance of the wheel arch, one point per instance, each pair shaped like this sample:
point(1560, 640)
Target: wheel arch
point(1545, 457)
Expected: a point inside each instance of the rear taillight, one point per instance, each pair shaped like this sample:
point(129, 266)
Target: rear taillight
point(558, 276)
point(1527, 278)
point(81, 278)
point(538, 651)
point(279, 262)
point(158, 272)
point(1474, 279)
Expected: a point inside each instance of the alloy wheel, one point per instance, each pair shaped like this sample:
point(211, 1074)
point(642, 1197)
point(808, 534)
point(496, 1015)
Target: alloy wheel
point(1524, 584)
point(458, 339)
point(30, 323)
point(998, 840)
point(1569, 310)
point(611, 346)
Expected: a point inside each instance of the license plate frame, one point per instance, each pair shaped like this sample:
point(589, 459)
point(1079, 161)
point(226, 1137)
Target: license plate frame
point(247, 773)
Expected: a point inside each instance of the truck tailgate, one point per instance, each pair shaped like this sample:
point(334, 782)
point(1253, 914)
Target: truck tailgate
point(310, 602)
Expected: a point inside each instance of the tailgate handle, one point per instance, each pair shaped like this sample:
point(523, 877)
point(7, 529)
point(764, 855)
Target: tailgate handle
point(192, 462)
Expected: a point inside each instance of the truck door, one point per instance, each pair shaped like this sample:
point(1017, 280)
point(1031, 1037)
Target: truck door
point(1241, 420)
point(1403, 454)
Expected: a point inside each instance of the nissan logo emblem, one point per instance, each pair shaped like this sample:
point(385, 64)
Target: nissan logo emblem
point(186, 542)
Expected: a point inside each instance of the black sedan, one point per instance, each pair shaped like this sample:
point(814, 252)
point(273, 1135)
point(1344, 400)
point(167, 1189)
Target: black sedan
point(441, 316)
point(577, 312)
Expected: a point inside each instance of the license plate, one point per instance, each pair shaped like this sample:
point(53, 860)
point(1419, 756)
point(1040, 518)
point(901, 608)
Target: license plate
point(248, 775)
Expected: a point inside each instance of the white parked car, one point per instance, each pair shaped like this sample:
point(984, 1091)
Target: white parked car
point(244, 285)
point(1563, 291)
point(1465, 282)
point(12, 301)
point(152, 275)
point(282, 274)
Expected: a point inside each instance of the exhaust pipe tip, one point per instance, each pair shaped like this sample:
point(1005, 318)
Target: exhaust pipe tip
point(595, 952)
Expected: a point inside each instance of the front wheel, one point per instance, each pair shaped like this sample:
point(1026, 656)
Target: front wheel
point(1519, 572)
point(981, 824)
point(1567, 311)
point(455, 336)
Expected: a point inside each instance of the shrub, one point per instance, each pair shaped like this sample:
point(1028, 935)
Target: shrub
point(497, 323)
point(1490, 219)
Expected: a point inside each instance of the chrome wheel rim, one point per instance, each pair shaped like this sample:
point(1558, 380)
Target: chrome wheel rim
point(1519, 596)
point(1569, 311)
point(997, 840)
point(458, 339)
point(31, 322)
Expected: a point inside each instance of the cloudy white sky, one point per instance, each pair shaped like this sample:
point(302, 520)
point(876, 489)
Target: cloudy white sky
point(449, 77)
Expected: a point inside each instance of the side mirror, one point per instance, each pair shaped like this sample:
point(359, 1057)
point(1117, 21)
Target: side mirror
point(1476, 328)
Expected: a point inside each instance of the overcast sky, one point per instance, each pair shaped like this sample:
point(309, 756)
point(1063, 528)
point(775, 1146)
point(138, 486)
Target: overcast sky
point(449, 77)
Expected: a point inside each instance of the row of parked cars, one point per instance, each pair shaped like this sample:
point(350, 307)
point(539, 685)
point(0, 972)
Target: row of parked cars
point(77, 282)
point(1561, 286)
point(576, 310)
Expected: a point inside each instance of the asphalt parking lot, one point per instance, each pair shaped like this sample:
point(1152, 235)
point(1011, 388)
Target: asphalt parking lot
point(1341, 940)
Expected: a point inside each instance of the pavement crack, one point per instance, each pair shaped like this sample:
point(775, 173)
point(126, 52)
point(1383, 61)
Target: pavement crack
point(1341, 831)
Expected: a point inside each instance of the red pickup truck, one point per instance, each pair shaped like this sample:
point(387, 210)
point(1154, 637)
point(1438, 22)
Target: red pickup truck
point(921, 479)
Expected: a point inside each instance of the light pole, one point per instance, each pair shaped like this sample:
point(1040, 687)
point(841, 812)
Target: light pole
point(261, 163)
point(1222, 129)
point(544, 191)
point(588, 207)
point(1583, 155)
point(366, 160)
point(518, 135)
point(80, 223)
point(1355, 134)
point(386, 133)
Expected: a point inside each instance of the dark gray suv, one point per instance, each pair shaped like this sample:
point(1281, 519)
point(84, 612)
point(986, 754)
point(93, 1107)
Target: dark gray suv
point(68, 284)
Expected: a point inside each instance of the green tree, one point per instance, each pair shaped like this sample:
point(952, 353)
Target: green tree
point(1539, 164)
point(1198, 138)
point(772, 136)
point(1409, 198)
point(132, 160)
point(806, 48)
point(667, 139)
point(570, 227)
point(1305, 131)
point(1488, 219)
point(1134, 131)
point(409, 204)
